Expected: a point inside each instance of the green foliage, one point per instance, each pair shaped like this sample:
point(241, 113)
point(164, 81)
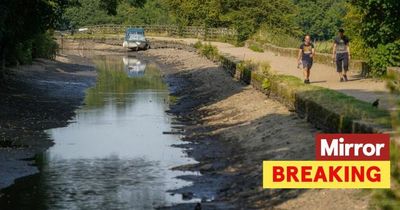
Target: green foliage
point(384, 56)
point(44, 46)
point(277, 37)
point(110, 6)
point(334, 100)
point(245, 16)
point(256, 47)
point(393, 82)
point(23, 52)
point(375, 33)
point(327, 98)
point(128, 12)
point(264, 68)
point(266, 84)
point(245, 68)
point(394, 161)
point(359, 49)
point(209, 51)
point(322, 18)
point(23, 24)
point(87, 12)
point(40, 46)
point(386, 199)
point(198, 45)
point(323, 46)
point(380, 21)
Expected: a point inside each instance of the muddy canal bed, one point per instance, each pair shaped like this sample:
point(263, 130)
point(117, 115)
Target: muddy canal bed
point(115, 154)
point(117, 151)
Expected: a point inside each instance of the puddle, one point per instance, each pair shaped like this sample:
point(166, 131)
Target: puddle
point(114, 154)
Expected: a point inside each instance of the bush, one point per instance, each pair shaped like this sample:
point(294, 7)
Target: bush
point(359, 49)
point(40, 46)
point(382, 57)
point(209, 51)
point(266, 84)
point(23, 52)
point(44, 46)
point(244, 29)
point(393, 83)
point(264, 68)
point(198, 45)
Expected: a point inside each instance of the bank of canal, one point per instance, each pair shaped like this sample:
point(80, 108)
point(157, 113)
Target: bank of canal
point(113, 155)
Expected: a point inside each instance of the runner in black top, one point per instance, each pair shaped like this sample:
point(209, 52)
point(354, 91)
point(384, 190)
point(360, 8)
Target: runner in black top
point(305, 57)
point(341, 54)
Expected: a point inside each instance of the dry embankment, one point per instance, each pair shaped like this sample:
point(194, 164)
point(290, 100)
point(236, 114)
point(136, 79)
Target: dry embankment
point(37, 97)
point(232, 128)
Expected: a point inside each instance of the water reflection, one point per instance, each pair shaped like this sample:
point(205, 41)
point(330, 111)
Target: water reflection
point(133, 66)
point(114, 156)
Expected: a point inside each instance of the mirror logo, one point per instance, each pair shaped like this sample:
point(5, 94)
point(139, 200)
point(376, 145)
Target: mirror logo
point(342, 161)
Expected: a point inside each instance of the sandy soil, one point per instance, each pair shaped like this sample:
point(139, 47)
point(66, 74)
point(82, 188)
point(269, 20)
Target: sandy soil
point(235, 129)
point(35, 98)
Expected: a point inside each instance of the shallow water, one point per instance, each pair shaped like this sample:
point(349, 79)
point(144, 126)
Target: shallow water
point(114, 154)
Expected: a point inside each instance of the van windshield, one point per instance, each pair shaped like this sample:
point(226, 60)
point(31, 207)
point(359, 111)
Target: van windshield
point(135, 36)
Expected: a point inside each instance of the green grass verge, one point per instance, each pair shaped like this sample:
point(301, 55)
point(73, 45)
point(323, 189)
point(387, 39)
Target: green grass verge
point(338, 102)
point(256, 47)
point(332, 100)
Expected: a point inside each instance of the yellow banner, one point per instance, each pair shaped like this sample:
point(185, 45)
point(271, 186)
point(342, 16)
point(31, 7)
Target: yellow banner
point(326, 174)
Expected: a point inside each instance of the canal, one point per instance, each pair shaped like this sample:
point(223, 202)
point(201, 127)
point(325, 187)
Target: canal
point(113, 154)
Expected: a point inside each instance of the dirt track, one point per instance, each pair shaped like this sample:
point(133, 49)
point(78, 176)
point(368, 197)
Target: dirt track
point(237, 128)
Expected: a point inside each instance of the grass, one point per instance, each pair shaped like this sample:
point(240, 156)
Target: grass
point(338, 102)
point(323, 46)
point(265, 36)
point(207, 50)
point(389, 198)
point(256, 47)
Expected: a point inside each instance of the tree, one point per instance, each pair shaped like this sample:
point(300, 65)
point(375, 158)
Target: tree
point(22, 21)
point(243, 15)
point(322, 18)
point(380, 21)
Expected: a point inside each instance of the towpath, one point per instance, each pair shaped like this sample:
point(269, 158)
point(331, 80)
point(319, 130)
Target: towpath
point(323, 75)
